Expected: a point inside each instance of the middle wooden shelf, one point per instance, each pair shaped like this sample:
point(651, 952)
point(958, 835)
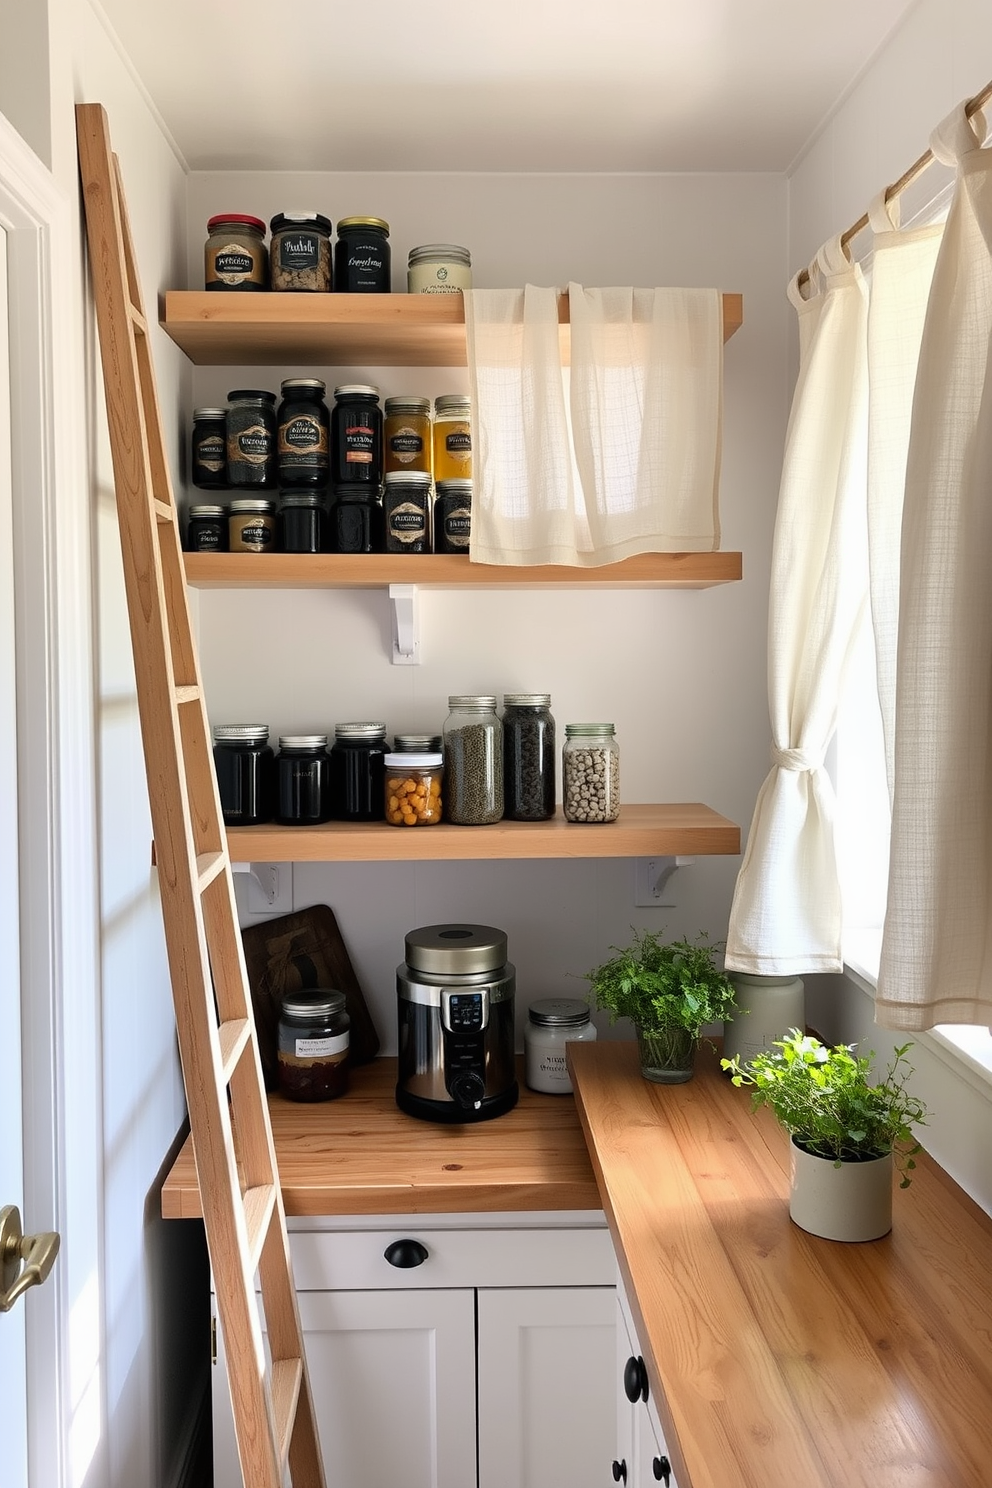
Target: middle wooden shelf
point(642, 831)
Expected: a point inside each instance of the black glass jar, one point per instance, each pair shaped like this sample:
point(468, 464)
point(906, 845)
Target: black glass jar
point(300, 253)
point(303, 441)
point(355, 521)
point(361, 256)
point(244, 763)
point(251, 438)
point(302, 524)
point(356, 436)
point(358, 772)
point(453, 516)
point(208, 449)
point(528, 757)
point(313, 1039)
point(302, 780)
point(406, 505)
point(206, 530)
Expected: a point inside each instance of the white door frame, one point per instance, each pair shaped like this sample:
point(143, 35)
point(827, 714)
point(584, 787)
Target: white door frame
point(57, 858)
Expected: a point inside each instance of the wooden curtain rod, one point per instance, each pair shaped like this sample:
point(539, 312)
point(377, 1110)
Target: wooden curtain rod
point(906, 179)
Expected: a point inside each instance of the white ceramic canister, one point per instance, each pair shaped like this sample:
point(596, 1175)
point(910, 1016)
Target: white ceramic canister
point(438, 268)
point(767, 1008)
point(551, 1023)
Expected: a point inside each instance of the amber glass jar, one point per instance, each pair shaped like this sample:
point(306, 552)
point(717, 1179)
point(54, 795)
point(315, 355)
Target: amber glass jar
point(314, 1037)
point(452, 437)
point(407, 435)
point(251, 526)
point(413, 789)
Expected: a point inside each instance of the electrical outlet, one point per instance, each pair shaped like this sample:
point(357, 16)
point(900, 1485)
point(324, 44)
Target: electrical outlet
point(653, 888)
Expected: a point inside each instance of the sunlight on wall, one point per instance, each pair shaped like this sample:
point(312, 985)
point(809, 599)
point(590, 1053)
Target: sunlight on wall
point(85, 1381)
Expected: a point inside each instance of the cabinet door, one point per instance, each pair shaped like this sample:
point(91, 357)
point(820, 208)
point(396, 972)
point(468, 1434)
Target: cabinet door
point(393, 1382)
point(547, 1411)
point(640, 1441)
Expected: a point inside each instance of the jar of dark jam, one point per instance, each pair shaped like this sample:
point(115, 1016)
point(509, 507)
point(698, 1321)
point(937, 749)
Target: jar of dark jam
point(245, 767)
point(356, 521)
point(234, 256)
point(300, 252)
point(362, 257)
point(208, 449)
point(314, 1033)
point(356, 436)
point(302, 775)
point(302, 522)
point(358, 757)
point(453, 516)
point(406, 504)
point(206, 530)
point(529, 755)
point(251, 438)
point(303, 423)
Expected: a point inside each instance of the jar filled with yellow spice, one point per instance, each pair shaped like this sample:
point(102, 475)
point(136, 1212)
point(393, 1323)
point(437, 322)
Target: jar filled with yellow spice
point(413, 789)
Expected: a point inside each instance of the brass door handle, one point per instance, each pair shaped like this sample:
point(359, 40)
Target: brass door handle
point(36, 1252)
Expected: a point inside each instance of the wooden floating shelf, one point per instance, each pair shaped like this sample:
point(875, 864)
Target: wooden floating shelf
point(394, 330)
point(641, 832)
point(450, 571)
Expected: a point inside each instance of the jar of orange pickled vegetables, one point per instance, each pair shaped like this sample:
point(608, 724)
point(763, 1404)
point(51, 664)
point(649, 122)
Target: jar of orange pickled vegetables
point(413, 789)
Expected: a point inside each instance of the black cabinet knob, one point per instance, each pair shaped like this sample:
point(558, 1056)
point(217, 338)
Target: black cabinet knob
point(620, 1472)
point(662, 1469)
point(406, 1253)
point(635, 1380)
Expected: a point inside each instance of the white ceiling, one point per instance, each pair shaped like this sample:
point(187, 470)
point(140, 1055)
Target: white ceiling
point(523, 85)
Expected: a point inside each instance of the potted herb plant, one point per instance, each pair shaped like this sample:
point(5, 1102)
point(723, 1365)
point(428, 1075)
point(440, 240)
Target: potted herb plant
point(669, 990)
point(848, 1132)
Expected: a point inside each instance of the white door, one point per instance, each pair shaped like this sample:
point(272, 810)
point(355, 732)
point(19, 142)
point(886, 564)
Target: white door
point(547, 1403)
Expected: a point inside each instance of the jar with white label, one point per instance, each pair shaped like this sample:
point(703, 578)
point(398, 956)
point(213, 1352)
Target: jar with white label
point(314, 1034)
point(551, 1023)
point(438, 268)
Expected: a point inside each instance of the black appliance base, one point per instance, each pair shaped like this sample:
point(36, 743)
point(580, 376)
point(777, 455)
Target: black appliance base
point(450, 1112)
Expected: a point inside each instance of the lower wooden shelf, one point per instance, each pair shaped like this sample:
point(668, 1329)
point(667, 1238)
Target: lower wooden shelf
point(640, 832)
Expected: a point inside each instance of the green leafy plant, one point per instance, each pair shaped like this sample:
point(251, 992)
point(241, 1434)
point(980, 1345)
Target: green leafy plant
point(825, 1099)
point(662, 985)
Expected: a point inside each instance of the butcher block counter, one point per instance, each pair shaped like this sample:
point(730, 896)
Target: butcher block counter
point(778, 1360)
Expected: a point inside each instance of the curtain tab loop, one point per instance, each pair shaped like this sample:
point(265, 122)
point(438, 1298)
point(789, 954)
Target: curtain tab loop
point(957, 135)
point(795, 759)
point(884, 216)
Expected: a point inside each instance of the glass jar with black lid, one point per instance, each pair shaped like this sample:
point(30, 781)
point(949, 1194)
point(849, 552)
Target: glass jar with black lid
point(406, 505)
point(303, 441)
point(206, 530)
point(356, 435)
point(302, 780)
point(358, 767)
point(528, 756)
point(302, 522)
point(300, 253)
point(362, 260)
point(208, 449)
point(244, 763)
point(313, 1044)
point(355, 520)
point(453, 516)
point(251, 438)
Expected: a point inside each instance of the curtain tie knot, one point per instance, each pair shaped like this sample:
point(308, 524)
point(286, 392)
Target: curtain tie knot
point(795, 759)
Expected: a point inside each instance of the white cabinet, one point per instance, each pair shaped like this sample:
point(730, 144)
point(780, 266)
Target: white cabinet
point(642, 1459)
point(487, 1361)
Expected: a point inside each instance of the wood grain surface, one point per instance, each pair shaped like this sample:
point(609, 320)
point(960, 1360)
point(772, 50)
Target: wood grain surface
point(361, 1155)
point(776, 1359)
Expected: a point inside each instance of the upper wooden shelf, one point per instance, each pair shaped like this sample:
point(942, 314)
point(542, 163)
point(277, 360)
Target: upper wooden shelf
point(450, 571)
point(640, 832)
point(394, 330)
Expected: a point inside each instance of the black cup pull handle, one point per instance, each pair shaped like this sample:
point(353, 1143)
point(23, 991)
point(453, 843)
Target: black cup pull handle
point(635, 1380)
point(406, 1253)
point(662, 1469)
point(620, 1471)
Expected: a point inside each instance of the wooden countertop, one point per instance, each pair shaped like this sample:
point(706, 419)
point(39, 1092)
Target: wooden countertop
point(361, 1155)
point(779, 1360)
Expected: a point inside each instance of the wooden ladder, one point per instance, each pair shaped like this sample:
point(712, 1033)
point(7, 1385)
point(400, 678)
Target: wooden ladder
point(232, 1138)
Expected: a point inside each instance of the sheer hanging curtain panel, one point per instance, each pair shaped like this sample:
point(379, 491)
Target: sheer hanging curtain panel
point(621, 455)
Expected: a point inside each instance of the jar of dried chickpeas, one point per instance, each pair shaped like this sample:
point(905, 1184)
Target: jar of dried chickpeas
point(413, 789)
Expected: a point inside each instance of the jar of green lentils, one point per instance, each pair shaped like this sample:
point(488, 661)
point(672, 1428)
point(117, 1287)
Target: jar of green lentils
point(473, 761)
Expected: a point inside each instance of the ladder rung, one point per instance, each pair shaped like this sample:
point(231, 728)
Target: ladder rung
point(188, 692)
point(259, 1205)
point(137, 319)
point(234, 1034)
point(164, 511)
point(208, 867)
point(287, 1375)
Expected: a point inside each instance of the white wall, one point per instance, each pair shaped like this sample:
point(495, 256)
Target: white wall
point(682, 675)
point(941, 54)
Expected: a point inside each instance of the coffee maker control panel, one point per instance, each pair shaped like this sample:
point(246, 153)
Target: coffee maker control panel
point(465, 1012)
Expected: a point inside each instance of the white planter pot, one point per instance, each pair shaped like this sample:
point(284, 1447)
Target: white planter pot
point(852, 1202)
point(767, 1008)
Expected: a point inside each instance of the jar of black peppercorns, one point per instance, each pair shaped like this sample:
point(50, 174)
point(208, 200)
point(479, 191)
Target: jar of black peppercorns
point(314, 1035)
point(528, 756)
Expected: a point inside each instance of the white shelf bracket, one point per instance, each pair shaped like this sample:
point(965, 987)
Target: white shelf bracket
point(404, 604)
point(651, 876)
point(266, 875)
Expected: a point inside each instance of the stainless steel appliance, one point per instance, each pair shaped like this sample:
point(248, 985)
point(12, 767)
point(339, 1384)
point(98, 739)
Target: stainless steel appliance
point(455, 996)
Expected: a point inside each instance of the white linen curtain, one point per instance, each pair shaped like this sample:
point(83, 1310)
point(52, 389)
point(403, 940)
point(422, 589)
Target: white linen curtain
point(786, 913)
point(623, 456)
point(936, 964)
